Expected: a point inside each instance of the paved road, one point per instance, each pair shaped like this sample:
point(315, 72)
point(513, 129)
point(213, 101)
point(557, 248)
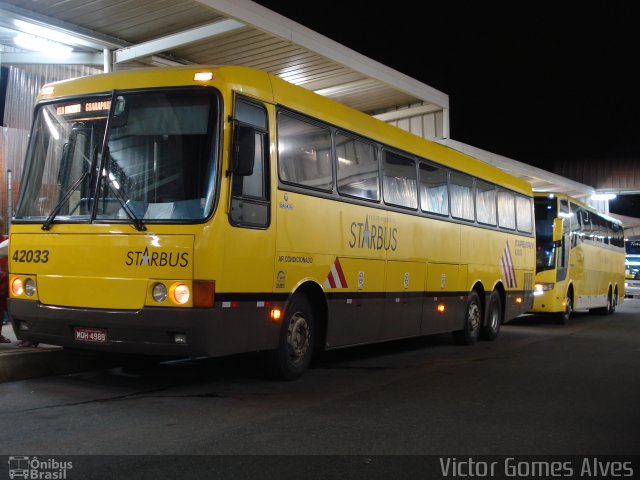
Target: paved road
point(540, 388)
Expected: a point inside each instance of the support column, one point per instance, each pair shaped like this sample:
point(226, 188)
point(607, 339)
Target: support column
point(108, 60)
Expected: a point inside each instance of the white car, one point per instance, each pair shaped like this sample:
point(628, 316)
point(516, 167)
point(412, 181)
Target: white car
point(632, 285)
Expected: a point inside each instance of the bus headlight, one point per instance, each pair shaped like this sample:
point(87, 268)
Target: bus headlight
point(540, 288)
point(17, 287)
point(159, 292)
point(179, 293)
point(29, 287)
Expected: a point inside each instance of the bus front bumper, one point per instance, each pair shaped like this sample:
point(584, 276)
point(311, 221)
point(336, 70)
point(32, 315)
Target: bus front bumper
point(174, 332)
point(548, 302)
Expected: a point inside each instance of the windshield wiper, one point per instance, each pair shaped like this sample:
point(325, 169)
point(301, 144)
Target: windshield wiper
point(137, 223)
point(47, 223)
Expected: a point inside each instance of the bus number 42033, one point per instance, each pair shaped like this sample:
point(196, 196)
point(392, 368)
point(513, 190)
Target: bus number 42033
point(31, 256)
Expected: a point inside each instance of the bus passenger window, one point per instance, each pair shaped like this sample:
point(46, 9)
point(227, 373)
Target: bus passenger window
point(304, 153)
point(486, 203)
point(358, 174)
point(434, 189)
point(523, 214)
point(462, 196)
point(506, 210)
point(400, 181)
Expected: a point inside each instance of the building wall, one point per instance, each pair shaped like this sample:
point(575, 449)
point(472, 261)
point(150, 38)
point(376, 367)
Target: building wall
point(428, 125)
point(616, 174)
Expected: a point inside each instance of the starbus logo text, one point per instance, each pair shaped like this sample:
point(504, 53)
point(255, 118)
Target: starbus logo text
point(145, 258)
point(373, 236)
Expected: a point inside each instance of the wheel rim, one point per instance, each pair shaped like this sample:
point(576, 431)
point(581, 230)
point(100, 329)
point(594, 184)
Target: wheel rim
point(298, 337)
point(473, 318)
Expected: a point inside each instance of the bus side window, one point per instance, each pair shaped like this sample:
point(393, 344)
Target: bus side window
point(563, 252)
point(462, 204)
point(357, 168)
point(434, 189)
point(304, 153)
point(399, 180)
point(486, 203)
point(506, 210)
point(250, 193)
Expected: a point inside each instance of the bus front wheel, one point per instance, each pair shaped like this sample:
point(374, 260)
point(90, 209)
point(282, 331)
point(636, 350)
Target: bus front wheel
point(295, 347)
point(563, 317)
point(472, 321)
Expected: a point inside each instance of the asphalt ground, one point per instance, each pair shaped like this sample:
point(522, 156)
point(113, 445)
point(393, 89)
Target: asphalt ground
point(21, 363)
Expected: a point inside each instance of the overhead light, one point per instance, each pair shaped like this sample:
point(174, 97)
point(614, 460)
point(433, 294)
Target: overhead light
point(31, 42)
point(46, 33)
point(603, 196)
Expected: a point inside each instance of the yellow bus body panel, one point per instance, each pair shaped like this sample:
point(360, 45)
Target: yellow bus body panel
point(102, 270)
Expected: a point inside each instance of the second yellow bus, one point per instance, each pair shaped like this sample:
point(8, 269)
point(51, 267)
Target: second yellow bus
point(580, 258)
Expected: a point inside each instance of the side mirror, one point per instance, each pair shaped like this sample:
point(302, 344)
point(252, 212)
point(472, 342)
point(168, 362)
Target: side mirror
point(244, 149)
point(558, 224)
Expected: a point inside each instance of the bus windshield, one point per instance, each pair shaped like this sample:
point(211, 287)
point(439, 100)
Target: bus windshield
point(141, 156)
point(546, 211)
point(632, 259)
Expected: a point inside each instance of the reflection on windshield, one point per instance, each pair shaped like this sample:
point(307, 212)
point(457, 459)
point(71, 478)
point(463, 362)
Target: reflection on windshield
point(545, 211)
point(158, 162)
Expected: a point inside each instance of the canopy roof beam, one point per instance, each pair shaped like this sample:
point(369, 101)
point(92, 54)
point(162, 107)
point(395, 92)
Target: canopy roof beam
point(176, 40)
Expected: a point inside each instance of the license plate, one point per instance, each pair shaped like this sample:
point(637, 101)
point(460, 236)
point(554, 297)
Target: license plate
point(96, 335)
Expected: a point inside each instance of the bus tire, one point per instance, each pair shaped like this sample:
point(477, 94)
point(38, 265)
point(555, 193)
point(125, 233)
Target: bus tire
point(472, 321)
point(563, 317)
point(494, 317)
point(614, 302)
point(297, 335)
point(607, 309)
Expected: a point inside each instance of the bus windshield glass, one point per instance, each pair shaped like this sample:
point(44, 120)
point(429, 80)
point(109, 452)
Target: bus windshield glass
point(546, 211)
point(143, 156)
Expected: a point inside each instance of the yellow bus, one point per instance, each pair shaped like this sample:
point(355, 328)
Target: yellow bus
point(203, 212)
point(580, 257)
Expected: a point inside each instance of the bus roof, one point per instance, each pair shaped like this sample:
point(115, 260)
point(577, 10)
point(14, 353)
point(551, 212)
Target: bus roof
point(578, 202)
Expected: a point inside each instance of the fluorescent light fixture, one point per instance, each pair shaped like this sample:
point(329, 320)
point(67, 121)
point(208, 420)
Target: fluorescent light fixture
point(603, 196)
point(38, 44)
point(46, 33)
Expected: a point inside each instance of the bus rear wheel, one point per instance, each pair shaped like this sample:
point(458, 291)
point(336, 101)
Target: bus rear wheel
point(494, 317)
point(472, 321)
point(295, 347)
point(614, 302)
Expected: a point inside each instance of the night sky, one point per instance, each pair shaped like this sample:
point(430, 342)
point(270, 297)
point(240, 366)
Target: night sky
point(542, 83)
